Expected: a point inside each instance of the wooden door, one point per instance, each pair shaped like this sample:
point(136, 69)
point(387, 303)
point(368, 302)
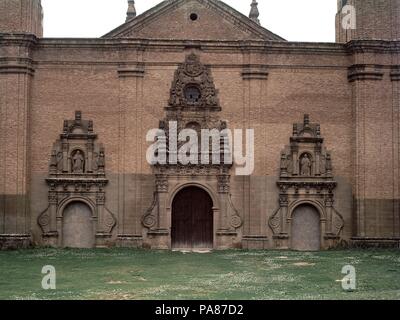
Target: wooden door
point(192, 220)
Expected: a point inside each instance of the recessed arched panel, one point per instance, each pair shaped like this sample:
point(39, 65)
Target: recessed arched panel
point(192, 219)
point(306, 229)
point(77, 226)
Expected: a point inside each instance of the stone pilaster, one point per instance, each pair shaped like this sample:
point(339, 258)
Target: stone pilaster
point(130, 92)
point(16, 73)
point(255, 76)
point(21, 16)
point(375, 141)
point(395, 78)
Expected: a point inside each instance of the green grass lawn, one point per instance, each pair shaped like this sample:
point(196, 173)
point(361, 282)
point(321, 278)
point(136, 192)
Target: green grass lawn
point(139, 274)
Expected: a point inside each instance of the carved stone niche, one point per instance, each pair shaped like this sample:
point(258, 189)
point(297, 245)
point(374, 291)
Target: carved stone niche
point(77, 174)
point(193, 104)
point(306, 179)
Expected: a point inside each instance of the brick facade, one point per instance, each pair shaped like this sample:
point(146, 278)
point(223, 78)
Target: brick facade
point(122, 81)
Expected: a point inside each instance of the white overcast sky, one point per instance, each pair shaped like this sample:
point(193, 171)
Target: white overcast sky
point(294, 20)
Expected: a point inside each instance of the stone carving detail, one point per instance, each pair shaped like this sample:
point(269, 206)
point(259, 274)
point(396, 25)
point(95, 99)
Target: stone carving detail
point(224, 183)
point(78, 162)
point(236, 220)
point(76, 173)
point(305, 165)
point(161, 183)
point(149, 219)
point(193, 104)
point(306, 177)
point(192, 76)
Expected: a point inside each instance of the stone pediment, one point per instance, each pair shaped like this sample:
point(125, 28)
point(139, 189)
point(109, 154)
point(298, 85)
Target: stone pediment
point(192, 20)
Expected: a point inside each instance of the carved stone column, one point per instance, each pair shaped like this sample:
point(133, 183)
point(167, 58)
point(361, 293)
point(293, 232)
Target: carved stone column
point(295, 157)
point(162, 192)
point(223, 191)
point(283, 200)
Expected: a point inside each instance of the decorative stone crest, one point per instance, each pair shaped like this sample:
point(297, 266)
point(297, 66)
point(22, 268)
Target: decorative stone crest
point(306, 177)
point(193, 86)
point(76, 173)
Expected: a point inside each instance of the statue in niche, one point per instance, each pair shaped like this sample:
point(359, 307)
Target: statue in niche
point(53, 159)
point(284, 162)
point(174, 100)
point(78, 162)
point(210, 99)
point(328, 163)
point(101, 161)
point(305, 166)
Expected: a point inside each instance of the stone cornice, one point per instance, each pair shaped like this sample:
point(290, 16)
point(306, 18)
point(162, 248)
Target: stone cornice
point(373, 46)
point(365, 72)
point(136, 71)
point(395, 73)
point(17, 60)
point(255, 72)
point(318, 183)
point(15, 65)
point(18, 39)
point(260, 46)
point(90, 179)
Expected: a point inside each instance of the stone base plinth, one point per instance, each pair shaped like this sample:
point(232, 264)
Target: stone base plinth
point(15, 241)
point(158, 239)
point(255, 242)
point(129, 241)
point(370, 242)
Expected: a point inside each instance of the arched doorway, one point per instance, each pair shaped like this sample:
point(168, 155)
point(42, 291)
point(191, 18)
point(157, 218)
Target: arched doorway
point(77, 226)
point(306, 229)
point(192, 220)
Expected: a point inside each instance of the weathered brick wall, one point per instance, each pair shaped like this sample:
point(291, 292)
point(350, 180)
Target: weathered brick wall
point(375, 19)
point(15, 92)
point(89, 76)
point(21, 16)
point(123, 86)
point(376, 143)
point(179, 24)
point(192, 20)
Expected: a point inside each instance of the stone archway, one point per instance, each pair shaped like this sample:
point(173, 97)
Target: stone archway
point(77, 226)
point(192, 219)
point(306, 228)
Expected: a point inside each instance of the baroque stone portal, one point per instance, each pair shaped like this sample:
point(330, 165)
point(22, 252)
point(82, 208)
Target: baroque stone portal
point(77, 175)
point(306, 179)
point(193, 104)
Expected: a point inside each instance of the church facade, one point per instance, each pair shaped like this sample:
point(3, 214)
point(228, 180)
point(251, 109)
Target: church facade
point(75, 115)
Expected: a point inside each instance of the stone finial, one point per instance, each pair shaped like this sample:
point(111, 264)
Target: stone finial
point(254, 13)
point(306, 119)
point(78, 115)
point(131, 13)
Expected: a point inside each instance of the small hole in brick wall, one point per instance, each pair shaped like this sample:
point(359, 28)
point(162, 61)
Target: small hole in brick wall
point(194, 16)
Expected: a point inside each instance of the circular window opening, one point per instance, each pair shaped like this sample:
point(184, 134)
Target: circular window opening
point(194, 16)
point(192, 94)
